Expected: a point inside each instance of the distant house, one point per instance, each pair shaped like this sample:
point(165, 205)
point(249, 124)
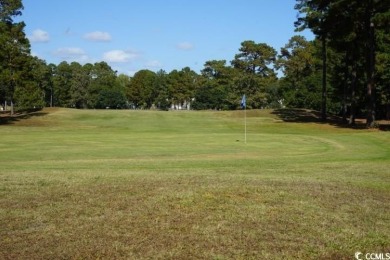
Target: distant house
point(186, 105)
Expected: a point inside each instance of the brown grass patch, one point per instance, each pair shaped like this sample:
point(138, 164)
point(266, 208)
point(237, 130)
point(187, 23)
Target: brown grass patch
point(187, 216)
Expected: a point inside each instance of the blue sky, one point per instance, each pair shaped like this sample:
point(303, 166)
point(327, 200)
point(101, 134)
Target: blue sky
point(151, 34)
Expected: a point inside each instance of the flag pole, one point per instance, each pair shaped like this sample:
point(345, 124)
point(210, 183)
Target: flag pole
point(243, 105)
point(245, 124)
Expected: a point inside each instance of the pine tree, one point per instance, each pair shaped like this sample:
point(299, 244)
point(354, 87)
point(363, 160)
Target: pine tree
point(14, 53)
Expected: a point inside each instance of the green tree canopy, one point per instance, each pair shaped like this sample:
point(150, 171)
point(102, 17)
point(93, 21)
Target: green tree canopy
point(14, 51)
point(140, 92)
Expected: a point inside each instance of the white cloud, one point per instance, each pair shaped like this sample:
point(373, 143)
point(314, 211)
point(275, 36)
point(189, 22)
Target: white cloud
point(67, 52)
point(72, 54)
point(120, 56)
point(154, 64)
point(39, 36)
point(98, 36)
point(185, 46)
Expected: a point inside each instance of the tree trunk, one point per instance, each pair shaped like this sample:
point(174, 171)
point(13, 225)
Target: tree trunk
point(12, 108)
point(370, 79)
point(51, 97)
point(345, 87)
point(324, 63)
point(353, 92)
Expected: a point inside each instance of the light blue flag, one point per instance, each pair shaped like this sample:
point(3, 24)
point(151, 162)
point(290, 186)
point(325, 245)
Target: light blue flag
point(243, 101)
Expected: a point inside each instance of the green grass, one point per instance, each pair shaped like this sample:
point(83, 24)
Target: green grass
point(183, 185)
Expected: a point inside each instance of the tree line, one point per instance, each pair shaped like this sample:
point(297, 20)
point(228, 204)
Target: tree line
point(355, 47)
point(344, 70)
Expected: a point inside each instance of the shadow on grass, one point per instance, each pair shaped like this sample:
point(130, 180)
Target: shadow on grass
point(7, 119)
point(311, 116)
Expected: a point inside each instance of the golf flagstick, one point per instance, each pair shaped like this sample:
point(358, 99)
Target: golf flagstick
point(243, 105)
point(245, 124)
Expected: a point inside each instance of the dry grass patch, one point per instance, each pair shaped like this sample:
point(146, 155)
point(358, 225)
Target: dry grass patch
point(189, 216)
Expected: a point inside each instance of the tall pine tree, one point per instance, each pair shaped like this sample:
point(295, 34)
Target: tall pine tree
point(14, 51)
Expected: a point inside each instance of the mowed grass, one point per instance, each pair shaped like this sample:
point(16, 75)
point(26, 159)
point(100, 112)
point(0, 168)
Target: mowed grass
point(80, 184)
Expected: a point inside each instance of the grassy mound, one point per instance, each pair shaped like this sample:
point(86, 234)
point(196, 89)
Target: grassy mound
point(147, 184)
